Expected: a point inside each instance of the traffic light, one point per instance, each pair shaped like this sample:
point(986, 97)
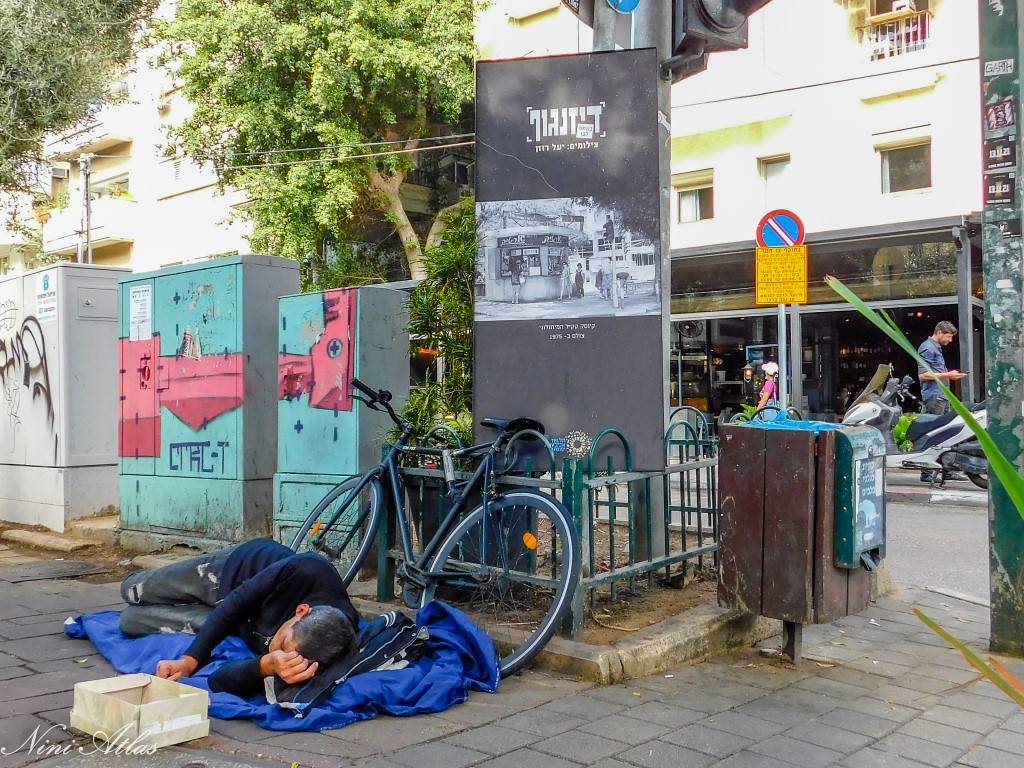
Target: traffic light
point(701, 27)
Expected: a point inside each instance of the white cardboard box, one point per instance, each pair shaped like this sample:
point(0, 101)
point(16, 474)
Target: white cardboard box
point(140, 709)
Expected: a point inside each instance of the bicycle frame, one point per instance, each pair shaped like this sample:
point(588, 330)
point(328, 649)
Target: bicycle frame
point(414, 564)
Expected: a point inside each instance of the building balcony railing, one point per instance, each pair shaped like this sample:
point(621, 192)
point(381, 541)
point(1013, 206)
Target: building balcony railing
point(897, 34)
point(110, 126)
point(112, 221)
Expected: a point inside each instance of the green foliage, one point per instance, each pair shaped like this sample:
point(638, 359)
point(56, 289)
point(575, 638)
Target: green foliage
point(1011, 481)
point(441, 319)
point(350, 264)
point(899, 432)
point(57, 60)
point(309, 75)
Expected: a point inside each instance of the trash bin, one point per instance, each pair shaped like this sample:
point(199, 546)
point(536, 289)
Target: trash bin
point(802, 518)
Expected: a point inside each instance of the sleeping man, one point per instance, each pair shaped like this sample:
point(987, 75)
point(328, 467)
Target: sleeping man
point(292, 610)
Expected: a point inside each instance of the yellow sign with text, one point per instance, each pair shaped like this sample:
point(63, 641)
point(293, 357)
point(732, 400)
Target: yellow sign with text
point(780, 275)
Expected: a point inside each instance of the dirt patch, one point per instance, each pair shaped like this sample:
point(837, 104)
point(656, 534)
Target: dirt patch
point(610, 620)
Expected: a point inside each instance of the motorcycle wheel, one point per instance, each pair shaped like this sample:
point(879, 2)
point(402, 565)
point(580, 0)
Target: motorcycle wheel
point(979, 480)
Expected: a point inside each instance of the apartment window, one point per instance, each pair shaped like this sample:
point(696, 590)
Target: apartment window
point(878, 7)
point(777, 178)
point(907, 168)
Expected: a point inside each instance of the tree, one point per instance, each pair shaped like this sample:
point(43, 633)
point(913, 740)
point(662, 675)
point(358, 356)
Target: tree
point(57, 59)
point(441, 319)
point(293, 95)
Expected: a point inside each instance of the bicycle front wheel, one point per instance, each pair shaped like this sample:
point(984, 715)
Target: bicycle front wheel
point(513, 570)
point(343, 525)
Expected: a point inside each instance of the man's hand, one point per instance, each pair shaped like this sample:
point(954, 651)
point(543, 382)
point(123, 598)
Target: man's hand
point(956, 375)
point(175, 670)
point(288, 665)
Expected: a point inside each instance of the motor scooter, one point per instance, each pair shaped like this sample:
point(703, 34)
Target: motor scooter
point(941, 444)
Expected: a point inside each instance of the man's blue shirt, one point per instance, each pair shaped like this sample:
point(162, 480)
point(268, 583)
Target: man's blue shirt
point(931, 351)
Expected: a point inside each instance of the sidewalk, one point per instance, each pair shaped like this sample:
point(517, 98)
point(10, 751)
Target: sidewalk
point(876, 690)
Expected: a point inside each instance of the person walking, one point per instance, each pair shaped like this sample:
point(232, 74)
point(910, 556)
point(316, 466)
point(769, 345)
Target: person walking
point(770, 390)
point(931, 351)
point(599, 282)
point(579, 280)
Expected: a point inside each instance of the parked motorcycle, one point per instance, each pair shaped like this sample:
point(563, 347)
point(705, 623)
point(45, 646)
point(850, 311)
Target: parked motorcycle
point(941, 444)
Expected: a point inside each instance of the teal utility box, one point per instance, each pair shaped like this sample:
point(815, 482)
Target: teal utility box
point(197, 424)
point(860, 497)
point(324, 436)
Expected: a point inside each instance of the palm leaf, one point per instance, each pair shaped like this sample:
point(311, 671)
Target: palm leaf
point(1008, 476)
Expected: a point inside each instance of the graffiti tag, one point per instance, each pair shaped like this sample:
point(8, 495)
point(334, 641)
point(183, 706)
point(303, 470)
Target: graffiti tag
point(24, 368)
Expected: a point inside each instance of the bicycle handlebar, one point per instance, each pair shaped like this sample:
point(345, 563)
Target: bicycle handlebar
point(380, 398)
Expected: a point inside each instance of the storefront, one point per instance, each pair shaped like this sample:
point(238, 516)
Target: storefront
point(918, 274)
point(532, 258)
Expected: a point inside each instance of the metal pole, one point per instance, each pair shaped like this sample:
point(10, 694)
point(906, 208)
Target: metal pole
point(604, 26)
point(652, 28)
point(86, 166)
point(783, 366)
point(796, 357)
point(965, 312)
point(1004, 346)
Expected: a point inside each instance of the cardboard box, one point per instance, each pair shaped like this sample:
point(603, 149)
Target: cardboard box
point(140, 710)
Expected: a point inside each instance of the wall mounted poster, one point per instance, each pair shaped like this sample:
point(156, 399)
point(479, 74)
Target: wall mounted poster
point(568, 284)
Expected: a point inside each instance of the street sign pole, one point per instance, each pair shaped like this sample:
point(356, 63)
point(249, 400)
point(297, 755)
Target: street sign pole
point(783, 364)
point(1004, 347)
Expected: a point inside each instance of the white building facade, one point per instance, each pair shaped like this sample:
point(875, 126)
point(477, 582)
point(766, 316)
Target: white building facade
point(862, 116)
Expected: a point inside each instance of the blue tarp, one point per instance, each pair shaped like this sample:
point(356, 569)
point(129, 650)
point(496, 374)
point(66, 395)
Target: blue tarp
point(784, 422)
point(458, 658)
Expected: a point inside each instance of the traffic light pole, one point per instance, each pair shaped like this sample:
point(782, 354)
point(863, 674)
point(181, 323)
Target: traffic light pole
point(1004, 348)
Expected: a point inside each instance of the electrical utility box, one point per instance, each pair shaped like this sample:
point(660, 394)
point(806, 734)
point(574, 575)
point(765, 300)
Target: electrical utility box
point(198, 429)
point(58, 394)
point(324, 436)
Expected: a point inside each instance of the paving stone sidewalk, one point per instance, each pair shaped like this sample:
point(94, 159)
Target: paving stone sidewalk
point(877, 690)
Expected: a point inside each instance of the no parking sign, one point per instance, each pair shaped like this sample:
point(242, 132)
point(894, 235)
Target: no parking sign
point(780, 269)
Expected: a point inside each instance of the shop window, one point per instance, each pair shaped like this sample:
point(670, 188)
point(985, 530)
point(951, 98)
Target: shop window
point(907, 168)
point(696, 204)
point(532, 256)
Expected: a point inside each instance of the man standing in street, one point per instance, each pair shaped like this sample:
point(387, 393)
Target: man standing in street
point(931, 350)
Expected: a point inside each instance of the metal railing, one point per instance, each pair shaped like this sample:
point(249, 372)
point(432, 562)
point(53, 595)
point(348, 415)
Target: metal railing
point(632, 524)
point(887, 38)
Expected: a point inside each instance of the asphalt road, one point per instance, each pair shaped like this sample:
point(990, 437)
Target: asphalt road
point(939, 546)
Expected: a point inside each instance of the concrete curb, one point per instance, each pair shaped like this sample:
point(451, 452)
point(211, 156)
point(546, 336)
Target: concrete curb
point(947, 498)
point(696, 634)
point(52, 541)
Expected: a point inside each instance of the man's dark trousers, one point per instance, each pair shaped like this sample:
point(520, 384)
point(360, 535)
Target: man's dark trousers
point(173, 598)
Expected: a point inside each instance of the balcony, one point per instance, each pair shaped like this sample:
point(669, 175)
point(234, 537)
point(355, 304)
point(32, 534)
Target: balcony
point(110, 126)
point(898, 33)
point(113, 221)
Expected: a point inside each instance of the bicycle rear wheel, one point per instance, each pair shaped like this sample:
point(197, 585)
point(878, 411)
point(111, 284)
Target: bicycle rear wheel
point(346, 543)
point(513, 570)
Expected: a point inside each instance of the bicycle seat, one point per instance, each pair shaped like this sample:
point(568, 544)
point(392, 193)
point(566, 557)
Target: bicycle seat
point(513, 425)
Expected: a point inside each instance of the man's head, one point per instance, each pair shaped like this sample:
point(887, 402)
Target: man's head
point(748, 371)
point(944, 332)
point(318, 633)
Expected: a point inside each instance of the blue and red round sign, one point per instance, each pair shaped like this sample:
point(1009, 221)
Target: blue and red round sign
point(624, 6)
point(780, 228)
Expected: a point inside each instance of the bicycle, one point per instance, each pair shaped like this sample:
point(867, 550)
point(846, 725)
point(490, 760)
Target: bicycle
point(512, 563)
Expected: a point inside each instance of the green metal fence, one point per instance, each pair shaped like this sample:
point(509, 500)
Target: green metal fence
point(632, 524)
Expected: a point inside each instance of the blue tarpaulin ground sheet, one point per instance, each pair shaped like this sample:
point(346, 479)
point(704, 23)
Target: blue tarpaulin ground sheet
point(458, 658)
point(784, 422)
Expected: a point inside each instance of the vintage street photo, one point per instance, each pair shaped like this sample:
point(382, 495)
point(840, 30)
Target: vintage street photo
point(566, 257)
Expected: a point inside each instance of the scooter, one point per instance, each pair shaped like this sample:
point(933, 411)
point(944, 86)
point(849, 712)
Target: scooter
point(941, 444)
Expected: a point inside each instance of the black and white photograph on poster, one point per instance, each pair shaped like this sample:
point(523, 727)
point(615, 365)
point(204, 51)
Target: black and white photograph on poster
point(565, 258)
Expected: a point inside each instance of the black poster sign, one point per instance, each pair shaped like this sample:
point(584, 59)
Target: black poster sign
point(568, 290)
